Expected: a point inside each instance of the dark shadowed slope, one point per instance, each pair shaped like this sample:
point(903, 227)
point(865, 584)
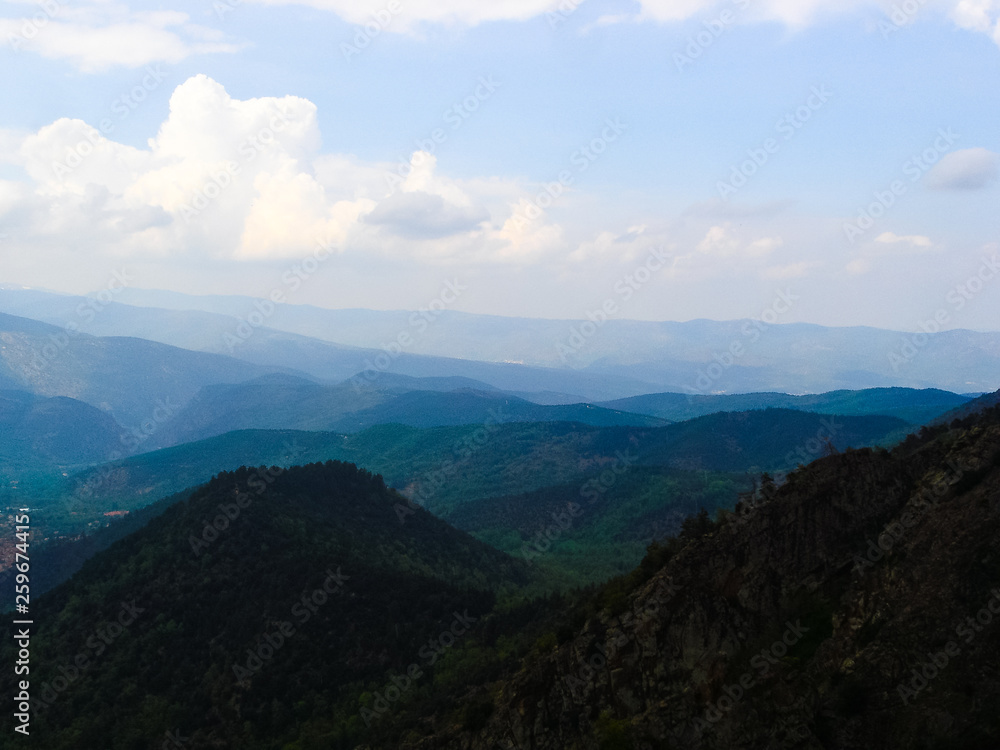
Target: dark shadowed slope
point(310, 589)
point(856, 609)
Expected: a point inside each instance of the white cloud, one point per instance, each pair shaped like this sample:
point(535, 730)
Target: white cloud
point(69, 155)
point(101, 35)
point(11, 193)
point(790, 271)
point(611, 19)
point(969, 169)
point(523, 239)
point(412, 12)
point(98, 35)
point(858, 266)
point(719, 241)
point(764, 246)
point(914, 240)
point(722, 241)
point(227, 178)
point(624, 247)
point(976, 15)
point(794, 13)
point(424, 215)
point(10, 141)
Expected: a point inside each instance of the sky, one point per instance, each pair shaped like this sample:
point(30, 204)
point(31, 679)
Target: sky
point(660, 159)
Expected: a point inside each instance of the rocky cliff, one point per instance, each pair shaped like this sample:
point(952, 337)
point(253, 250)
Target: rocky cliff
point(857, 606)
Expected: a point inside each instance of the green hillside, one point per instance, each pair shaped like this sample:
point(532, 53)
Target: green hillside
point(911, 405)
point(446, 466)
point(306, 591)
point(282, 402)
point(579, 534)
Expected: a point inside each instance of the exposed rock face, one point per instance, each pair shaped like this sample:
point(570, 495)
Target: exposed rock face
point(858, 608)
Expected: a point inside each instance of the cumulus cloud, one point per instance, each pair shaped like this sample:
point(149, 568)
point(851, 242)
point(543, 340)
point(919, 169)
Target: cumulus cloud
point(420, 214)
point(243, 179)
point(522, 239)
point(969, 169)
point(978, 15)
point(97, 36)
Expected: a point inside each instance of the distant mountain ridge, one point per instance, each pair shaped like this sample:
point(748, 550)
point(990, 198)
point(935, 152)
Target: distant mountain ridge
point(675, 356)
point(622, 358)
point(443, 467)
point(297, 404)
point(913, 406)
point(130, 378)
point(230, 334)
point(33, 428)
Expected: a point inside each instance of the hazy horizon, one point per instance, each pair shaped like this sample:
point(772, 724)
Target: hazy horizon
point(683, 160)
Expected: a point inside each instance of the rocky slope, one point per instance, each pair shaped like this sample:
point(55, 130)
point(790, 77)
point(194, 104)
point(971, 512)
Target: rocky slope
point(858, 606)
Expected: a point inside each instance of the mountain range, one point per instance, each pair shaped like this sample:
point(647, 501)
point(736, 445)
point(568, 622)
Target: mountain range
point(618, 359)
point(849, 607)
point(278, 542)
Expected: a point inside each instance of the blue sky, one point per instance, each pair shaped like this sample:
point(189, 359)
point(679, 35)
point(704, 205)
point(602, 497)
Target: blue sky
point(821, 106)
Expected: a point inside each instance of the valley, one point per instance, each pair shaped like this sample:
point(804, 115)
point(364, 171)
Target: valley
point(309, 544)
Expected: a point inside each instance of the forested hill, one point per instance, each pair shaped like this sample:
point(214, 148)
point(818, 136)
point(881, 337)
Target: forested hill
point(257, 609)
point(854, 608)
